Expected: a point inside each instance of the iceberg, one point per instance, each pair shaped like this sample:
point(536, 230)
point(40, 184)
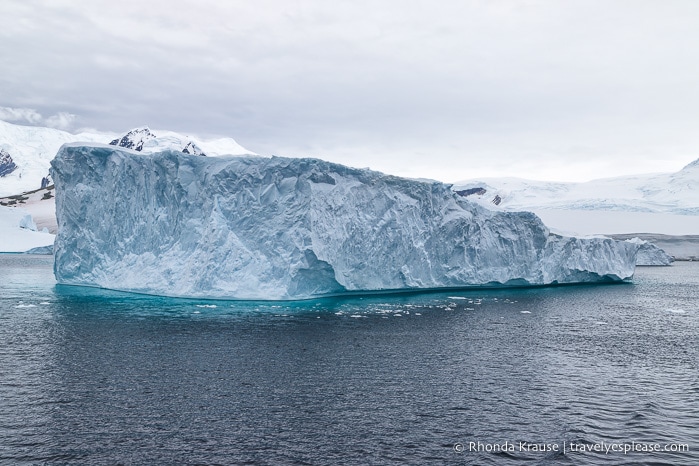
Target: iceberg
point(650, 254)
point(27, 222)
point(19, 233)
point(294, 228)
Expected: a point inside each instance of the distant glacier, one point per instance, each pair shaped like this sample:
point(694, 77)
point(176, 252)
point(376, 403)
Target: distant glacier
point(282, 228)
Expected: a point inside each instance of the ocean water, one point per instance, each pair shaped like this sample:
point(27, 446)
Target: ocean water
point(520, 376)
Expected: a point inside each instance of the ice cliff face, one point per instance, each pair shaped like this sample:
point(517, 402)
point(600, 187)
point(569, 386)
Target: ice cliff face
point(278, 228)
point(650, 254)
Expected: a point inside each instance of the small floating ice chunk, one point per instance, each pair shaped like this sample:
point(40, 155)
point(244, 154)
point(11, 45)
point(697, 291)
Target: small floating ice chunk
point(44, 303)
point(418, 314)
point(456, 297)
point(525, 312)
point(601, 322)
point(21, 306)
point(196, 312)
point(676, 311)
point(211, 306)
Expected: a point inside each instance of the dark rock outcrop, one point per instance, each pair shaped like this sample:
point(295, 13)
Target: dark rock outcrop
point(134, 139)
point(7, 165)
point(470, 191)
point(193, 149)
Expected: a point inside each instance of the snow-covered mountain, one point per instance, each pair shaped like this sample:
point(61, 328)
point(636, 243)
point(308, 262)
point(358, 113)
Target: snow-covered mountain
point(655, 203)
point(145, 140)
point(676, 193)
point(31, 149)
point(134, 139)
point(27, 150)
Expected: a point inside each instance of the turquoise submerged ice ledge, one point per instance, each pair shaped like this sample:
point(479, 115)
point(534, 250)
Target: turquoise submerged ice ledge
point(278, 228)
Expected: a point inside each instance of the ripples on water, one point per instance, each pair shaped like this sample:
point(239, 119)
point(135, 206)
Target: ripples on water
point(97, 377)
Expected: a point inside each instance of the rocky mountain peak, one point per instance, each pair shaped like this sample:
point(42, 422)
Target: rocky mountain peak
point(134, 139)
point(193, 149)
point(7, 165)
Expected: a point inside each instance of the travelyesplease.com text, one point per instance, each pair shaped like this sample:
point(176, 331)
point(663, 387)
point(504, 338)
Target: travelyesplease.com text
point(575, 447)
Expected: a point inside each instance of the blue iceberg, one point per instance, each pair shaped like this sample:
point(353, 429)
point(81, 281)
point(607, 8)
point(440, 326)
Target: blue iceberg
point(294, 228)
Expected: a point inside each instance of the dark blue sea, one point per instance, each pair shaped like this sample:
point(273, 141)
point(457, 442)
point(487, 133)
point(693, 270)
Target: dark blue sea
point(566, 375)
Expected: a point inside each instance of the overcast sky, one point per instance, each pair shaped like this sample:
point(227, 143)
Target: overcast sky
point(451, 90)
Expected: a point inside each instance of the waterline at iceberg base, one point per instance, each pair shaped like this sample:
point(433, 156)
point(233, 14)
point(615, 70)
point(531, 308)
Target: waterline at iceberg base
point(282, 228)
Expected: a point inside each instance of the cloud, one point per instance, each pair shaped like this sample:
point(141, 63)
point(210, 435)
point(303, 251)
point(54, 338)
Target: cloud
point(24, 115)
point(450, 90)
point(60, 120)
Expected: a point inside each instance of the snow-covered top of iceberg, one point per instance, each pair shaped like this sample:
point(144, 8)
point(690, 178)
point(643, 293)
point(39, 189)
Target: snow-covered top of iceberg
point(282, 228)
